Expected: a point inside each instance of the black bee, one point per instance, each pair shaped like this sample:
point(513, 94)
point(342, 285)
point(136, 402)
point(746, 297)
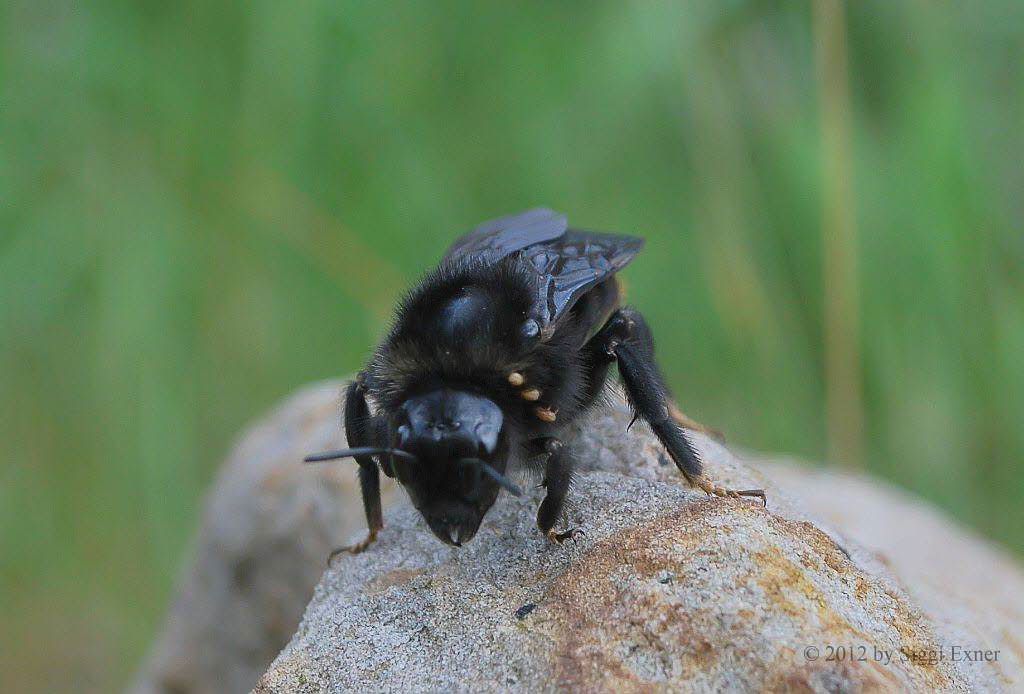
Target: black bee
point(490, 357)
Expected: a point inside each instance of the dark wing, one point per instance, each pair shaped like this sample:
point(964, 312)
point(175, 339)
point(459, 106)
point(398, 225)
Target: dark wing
point(572, 264)
point(499, 238)
point(567, 263)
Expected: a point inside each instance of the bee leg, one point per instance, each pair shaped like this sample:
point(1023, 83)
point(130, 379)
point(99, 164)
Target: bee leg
point(688, 422)
point(627, 337)
point(357, 424)
point(356, 548)
point(712, 489)
point(557, 479)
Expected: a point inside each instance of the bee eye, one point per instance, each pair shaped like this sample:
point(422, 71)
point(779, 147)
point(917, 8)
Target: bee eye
point(530, 329)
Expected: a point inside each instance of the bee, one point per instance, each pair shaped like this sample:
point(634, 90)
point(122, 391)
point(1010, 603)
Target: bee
point(489, 358)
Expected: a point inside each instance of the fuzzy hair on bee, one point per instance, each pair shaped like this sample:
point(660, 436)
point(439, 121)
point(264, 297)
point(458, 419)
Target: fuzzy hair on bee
point(490, 356)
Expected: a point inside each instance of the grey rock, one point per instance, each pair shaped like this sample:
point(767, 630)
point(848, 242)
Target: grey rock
point(668, 590)
point(269, 523)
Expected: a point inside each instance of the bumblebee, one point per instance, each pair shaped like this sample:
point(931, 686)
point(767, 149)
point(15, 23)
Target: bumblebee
point(495, 351)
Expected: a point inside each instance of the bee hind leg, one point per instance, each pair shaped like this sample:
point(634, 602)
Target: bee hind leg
point(688, 422)
point(627, 339)
point(712, 489)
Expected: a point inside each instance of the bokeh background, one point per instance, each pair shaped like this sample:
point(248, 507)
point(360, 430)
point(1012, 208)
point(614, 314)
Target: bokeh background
point(206, 204)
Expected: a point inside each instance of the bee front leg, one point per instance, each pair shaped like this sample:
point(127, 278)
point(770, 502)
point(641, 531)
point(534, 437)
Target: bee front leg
point(357, 425)
point(557, 479)
point(627, 338)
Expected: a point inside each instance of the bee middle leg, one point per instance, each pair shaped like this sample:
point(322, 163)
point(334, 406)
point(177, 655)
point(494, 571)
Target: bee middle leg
point(626, 339)
point(557, 480)
point(357, 425)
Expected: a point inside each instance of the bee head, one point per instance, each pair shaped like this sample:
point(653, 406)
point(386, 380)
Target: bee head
point(457, 458)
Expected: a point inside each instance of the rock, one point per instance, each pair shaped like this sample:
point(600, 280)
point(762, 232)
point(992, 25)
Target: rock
point(268, 527)
point(963, 582)
point(668, 590)
point(856, 588)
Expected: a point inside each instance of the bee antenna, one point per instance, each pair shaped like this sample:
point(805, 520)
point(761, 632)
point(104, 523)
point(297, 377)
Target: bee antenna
point(505, 482)
point(351, 452)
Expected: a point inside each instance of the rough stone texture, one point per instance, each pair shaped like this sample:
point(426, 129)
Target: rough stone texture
point(967, 585)
point(668, 590)
point(268, 527)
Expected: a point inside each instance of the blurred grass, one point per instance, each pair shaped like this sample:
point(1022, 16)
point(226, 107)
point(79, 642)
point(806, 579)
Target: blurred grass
point(204, 205)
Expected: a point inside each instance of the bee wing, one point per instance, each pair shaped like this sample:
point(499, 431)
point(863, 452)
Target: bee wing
point(494, 240)
point(572, 264)
point(567, 262)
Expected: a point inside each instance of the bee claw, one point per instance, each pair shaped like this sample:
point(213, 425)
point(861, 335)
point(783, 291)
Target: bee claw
point(570, 534)
point(712, 489)
point(357, 548)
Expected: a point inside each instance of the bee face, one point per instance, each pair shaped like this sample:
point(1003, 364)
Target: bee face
point(451, 434)
point(455, 521)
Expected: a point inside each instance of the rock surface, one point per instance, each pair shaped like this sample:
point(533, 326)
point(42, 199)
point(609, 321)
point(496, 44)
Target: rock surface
point(668, 590)
point(967, 586)
point(268, 526)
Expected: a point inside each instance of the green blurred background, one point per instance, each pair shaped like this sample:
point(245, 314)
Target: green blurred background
point(206, 204)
